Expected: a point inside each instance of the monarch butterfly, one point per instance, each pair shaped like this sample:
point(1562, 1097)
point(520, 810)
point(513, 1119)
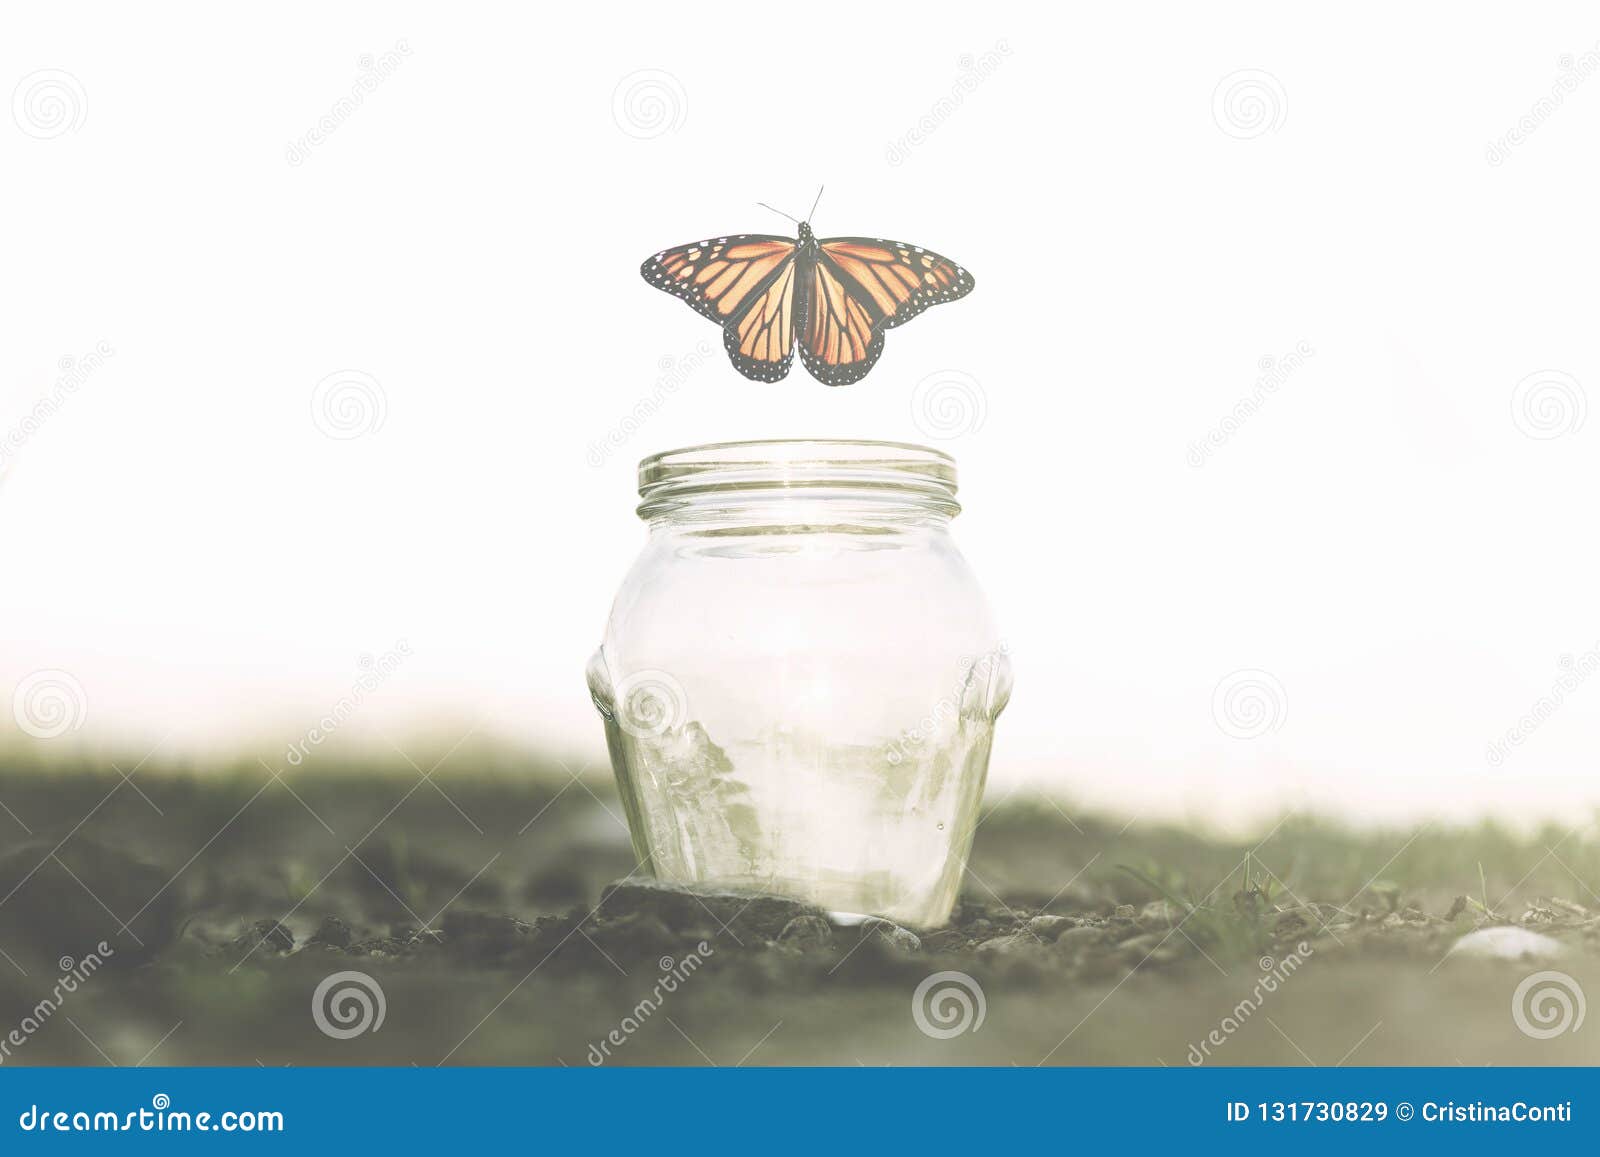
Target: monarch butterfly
point(834, 297)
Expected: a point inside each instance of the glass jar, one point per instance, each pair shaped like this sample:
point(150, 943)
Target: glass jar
point(800, 676)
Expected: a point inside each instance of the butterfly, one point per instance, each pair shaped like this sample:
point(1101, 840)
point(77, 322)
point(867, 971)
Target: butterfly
point(834, 298)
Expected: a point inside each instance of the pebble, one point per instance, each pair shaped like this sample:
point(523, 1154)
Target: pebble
point(332, 933)
point(1010, 945)
point(1075, 939)
point(944, 940)
point(807, 932)
point(747, 915)
point(268, 934)
point(891, 934)
point(1508, 943)
point(1138, 947)
point(1048, 927)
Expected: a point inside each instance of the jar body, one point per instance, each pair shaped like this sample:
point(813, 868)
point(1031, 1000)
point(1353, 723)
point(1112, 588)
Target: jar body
point(800, 699)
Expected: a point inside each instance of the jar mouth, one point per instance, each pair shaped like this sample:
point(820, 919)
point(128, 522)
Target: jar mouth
point(799, 468)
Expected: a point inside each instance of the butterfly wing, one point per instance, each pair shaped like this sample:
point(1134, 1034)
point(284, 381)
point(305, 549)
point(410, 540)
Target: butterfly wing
point(760, 336)
point(858, 288)
point(745, 284)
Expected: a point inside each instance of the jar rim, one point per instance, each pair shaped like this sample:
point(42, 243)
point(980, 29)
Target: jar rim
point(893, 470)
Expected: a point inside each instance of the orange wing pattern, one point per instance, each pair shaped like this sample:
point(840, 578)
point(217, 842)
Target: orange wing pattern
point(898, 280)
point(840, 343)
point(760, 340)
point(861, 287)
point(837, 297)
point(717, 277)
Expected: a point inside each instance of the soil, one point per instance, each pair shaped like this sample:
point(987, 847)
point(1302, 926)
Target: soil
point(492, 910)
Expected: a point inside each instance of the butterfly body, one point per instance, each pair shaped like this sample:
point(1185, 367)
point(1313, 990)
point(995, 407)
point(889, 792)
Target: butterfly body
point(831, 298)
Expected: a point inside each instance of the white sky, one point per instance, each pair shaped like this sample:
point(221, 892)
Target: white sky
point(1382, 537)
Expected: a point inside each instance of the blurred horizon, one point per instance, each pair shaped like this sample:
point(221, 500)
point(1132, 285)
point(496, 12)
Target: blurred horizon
point(464, 750)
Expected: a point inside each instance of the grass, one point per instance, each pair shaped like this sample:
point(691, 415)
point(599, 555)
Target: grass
point(1172, 925)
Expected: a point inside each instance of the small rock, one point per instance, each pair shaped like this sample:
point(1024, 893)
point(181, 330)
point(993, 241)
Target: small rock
point(1009, 945)
point(1126, 911)
point(381, 947)
point(747, 915)
point(807, 933)
point(1138, 947)
point(891, 934)
point(268, 934)
point(1508, 943)
point(1049, 927)
point(1119, 930)
point(1077, 939)
point(945, 940)
point(332, 933)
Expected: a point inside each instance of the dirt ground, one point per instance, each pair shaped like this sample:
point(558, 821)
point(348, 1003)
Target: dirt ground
point(487, 911)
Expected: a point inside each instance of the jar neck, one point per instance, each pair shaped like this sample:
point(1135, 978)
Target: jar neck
point(841, 513)
point(798, 487)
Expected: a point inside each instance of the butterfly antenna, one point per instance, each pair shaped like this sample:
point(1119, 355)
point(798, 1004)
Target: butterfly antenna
point(815, 203)
point(779, 212)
